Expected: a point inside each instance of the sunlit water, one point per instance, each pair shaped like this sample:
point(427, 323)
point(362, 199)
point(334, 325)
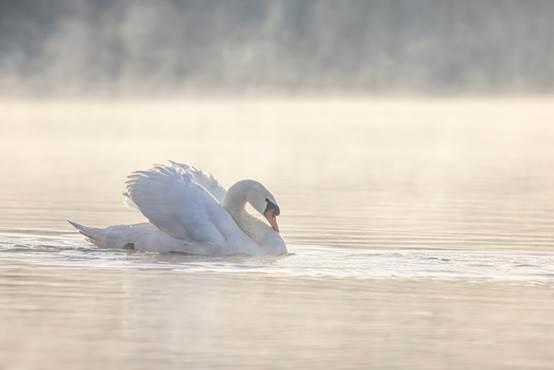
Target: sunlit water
point(420, 233)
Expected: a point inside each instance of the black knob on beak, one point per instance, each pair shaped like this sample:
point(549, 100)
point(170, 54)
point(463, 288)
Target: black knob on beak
point(273, 206)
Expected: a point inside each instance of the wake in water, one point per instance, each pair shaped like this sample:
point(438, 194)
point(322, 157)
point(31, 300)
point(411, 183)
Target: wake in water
point(303, 261)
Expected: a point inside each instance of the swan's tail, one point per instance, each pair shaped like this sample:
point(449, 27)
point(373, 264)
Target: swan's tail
point(122, 236)
point(93, 234)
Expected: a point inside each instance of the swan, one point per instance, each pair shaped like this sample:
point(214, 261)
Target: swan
point(190, 212)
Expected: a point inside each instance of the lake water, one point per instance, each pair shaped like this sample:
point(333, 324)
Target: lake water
point(420, 232)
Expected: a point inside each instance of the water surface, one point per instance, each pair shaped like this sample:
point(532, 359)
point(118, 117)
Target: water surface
point(420, 235)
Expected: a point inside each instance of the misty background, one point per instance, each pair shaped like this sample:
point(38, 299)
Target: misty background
point(75, 47)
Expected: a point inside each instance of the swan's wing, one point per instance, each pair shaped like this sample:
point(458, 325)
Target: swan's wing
point(127, 201)
point(169, 198)
point(204, 179)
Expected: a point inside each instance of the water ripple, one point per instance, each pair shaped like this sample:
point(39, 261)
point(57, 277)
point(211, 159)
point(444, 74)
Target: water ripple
point(303, 261)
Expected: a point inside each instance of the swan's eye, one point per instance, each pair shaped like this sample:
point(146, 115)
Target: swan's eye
point(271, 205)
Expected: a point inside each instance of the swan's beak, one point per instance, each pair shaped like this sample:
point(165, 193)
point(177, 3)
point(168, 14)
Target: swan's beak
point(272, 219)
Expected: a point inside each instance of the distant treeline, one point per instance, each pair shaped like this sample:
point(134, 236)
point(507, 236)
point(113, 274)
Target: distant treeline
point(369, 46)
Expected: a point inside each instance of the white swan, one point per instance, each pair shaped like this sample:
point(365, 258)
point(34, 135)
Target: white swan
point(190, 212)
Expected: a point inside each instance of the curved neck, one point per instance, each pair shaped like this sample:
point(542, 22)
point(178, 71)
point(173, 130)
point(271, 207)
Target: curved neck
point(235, 202)
point(236, 198)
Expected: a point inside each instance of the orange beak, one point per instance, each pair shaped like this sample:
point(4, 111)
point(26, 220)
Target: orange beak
point(272, 219)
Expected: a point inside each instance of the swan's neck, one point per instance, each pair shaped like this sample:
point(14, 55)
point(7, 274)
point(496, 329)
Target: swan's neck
point(236, 198)
point(235, 202)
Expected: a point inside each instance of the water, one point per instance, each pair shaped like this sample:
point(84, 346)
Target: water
point(420, 236)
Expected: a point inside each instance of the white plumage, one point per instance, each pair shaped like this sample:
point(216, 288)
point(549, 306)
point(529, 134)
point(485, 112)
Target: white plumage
point(190, 212)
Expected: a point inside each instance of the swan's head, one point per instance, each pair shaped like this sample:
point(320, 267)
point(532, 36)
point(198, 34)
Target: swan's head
point(259, 198)
point(264, 202)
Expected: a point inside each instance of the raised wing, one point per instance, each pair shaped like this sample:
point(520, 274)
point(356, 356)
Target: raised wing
point(206, 180)
point(173, 198)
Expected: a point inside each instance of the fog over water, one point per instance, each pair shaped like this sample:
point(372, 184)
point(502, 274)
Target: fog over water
point(173, 47)
point(409, 145)
point(420, 235)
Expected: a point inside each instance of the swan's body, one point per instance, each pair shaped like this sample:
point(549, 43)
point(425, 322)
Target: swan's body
point(190, 212)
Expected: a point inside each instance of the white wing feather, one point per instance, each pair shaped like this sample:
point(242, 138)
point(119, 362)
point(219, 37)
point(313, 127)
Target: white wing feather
point(173, 199)
point(206, 180)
